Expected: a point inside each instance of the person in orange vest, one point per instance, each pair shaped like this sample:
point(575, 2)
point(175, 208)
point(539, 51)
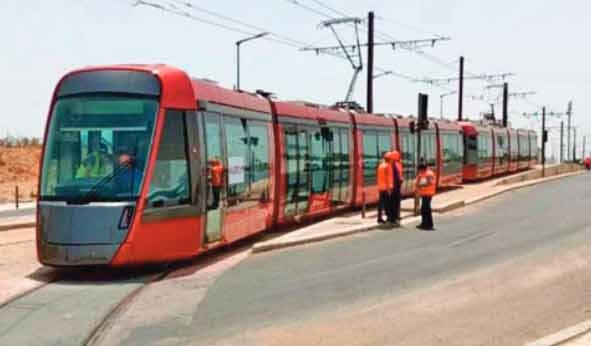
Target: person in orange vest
point(425, 186)
point(398, 179)
point(385, 185)
point(216, 181)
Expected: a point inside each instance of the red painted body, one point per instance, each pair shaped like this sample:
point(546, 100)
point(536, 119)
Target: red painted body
point(184, 236)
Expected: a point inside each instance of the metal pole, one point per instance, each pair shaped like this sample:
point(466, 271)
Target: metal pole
point(441, 107)
point(418, 159)
point(370, 58)
point(544, 141)
point(561, 141)
point(238, 65)
point(238, 43)
point(569, 113)
point(505, 103)
point(461, 91)
point(584, 143)
point(575, 144)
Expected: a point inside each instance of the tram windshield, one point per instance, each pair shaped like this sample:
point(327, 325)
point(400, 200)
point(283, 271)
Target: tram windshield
point(97, 148)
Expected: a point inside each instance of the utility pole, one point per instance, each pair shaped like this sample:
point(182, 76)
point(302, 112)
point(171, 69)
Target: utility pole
point(370, 59)
point(575, 145)
point(505, 103)
point(584, 143)
point(461, 91)
point(561, 141)
point(544, 139)
point(569, 112)
point(421, 124)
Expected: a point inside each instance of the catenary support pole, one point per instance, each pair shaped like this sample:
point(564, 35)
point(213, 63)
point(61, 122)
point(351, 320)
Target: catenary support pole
point(505, 104)
point(569, 112)
point(561, 141)
point(461, 91)
point(574, 144)
point(370, 59)
point(544, 141)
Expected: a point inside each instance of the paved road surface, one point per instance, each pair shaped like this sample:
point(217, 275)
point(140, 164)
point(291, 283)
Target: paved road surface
point(296, 296)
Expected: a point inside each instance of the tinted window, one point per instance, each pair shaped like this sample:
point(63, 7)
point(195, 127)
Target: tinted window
point(319, 145)
point(238, 159)
point(259, 145)
point(170, 180)
point(370, 157)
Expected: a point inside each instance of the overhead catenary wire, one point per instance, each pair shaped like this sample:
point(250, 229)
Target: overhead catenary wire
point(172, 7)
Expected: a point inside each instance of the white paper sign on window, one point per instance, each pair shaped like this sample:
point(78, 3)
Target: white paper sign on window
point(236, 168)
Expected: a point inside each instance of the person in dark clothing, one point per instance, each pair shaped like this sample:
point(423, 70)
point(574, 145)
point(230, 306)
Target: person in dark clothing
point(396, 190)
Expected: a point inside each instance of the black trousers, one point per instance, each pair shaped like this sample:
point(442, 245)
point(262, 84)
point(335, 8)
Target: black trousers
point(395, 203)
point(215, 204)
point(426, 213)
point(384, 205)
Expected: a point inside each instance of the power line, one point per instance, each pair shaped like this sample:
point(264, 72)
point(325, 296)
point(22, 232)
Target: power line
point(194, 7)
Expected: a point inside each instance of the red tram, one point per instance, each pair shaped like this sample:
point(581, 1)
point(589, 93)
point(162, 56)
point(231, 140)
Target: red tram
point(127, 173)
point(492, 151)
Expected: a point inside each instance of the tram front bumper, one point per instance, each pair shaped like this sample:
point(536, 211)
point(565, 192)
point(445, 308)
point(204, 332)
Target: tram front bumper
point(76, 255)
point(81, 235)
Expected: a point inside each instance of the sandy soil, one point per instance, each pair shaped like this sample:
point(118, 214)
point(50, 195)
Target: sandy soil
point(19, 166)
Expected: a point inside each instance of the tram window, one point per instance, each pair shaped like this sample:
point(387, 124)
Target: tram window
point(384, 143)
point(238, 164)
point(370, 157)
point(336, 163)
point(86, 136)
point(408, 145)
point(345, 164)
point(318, 160)
point(428, 148)
point(170, 180)
point(472, 149)
point(259, 145)
point(291, 157)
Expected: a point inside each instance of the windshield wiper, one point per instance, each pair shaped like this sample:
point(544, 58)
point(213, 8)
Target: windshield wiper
point(92, 192)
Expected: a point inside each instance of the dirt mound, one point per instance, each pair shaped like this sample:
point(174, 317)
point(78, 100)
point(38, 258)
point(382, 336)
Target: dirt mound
point(19, 166)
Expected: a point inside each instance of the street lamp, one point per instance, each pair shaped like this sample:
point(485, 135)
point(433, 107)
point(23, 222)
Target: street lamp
point(441, 103)
point(238, 43)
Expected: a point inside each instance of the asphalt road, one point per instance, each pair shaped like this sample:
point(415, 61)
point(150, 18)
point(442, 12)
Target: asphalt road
point(299, 284)
point(329, 280)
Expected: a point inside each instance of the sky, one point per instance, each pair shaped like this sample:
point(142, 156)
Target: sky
point(540, 41)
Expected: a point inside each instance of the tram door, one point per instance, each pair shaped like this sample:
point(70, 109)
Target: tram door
point(215, 191)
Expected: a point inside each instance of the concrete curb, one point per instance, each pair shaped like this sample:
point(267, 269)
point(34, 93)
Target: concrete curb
point(270, 245)
point(449, 206)
point(262, 247)
point(564, 335)
point(518, 186)
point(17, 225)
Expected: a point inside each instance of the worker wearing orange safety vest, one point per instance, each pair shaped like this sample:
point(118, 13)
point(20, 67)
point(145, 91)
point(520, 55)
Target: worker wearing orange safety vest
point(385, 185)
point(425, 186)
point(398, 179)
point(216, 181)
